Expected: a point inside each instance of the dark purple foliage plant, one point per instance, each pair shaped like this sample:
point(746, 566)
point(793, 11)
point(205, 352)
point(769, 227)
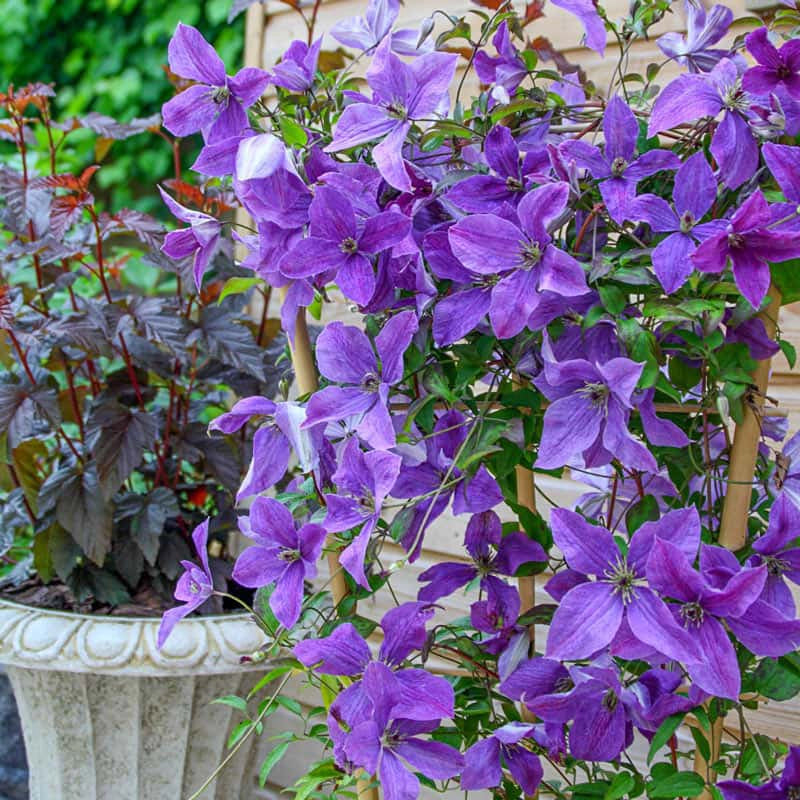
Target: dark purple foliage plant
point(549, 280)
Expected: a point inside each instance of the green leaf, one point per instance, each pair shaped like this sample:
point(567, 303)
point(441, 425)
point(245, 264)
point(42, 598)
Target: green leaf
point(613, 298)
point(786, 276)
point(778, 679)
point(293, 134)
point(664, 734)
point(290, 704)
point(789, 351)
point(679, 784)
point(237, 286)
point(645, 510)
point(233, 701)
point(622, 784)
point(239, 731)
point(275, 755)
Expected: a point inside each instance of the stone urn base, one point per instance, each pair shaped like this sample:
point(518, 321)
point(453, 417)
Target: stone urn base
point(107, 716)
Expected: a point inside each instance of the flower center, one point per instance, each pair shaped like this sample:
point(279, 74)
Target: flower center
point(194, 587)
point(349, 245)
point(775, 566)
point(220, 95)
point(397, 109)
point(289, 554)
point(564, 685)
point(618, 166)
point(692, 613)
point(514, 184)
point(793, 793)
point(687, 221)
point(531, 254)
point(596, 393)
point(610, 700)
point(783, 72)
point(623, 579)
point(734, 99)
point(370, 382)
point(735, 241)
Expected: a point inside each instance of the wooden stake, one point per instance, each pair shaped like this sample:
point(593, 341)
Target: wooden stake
point(736, 505)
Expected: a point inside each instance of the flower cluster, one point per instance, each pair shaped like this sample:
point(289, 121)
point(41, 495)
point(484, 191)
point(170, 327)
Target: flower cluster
point(549, 282)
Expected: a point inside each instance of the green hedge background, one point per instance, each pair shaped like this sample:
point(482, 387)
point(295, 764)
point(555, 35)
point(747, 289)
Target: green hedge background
point(107, 56)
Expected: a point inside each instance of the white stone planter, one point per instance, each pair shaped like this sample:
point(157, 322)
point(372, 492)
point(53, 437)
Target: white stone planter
point(107, 716)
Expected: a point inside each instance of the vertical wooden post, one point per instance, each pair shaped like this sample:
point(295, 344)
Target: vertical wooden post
point(736, 505)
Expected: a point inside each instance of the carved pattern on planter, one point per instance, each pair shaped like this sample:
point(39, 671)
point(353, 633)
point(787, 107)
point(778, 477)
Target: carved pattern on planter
point(55, 640)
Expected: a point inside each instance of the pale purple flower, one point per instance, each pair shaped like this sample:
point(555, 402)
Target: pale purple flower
point(691, 97)
point(283, 556)
point(343, 244)
point(590, 405)
point(369, 31)
point(617, 167)
point(786, 478)
point(594, 28)
point(776, 70)
point(194, 587)
point(784, 787)
point(401, 93)
point(694, 193)
point(750, 245)
point(703, 29)
point(346, 356)
point(363, 482)
point(297, 67)
point(216, 104)
point(491, 553)
point(591, 614)
point(200, 240)
point(523, 255)
point(485, 759)
point(507, 69)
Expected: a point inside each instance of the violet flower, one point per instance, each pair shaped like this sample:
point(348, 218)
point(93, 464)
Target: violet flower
point(497, 615)
point(594, 28)
point(346, 356)
point(783, 161)
point(694, 193)
point(523, 256)
point(369, 31)
point(507, 69)
point(401, 93)
point(786, 478)
point(216, 104)
point(691, 97)
point(750, 245)
point(200, 240)
point(776, 70)
point(282, 556)
point(703, 29)
point(342, 244)
point(194, 587)
point(777, 550)
point(363, 482)
point(616, 166)
point(590, 405)
point(378, 743)
point(484, 760)
point(297, 67)
point(590, 614)
point(491, 553)
point(785, 787)
point(703, 607)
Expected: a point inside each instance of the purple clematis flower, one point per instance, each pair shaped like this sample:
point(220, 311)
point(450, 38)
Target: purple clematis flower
point(691, 97)
point(617, 166)
point(216, 105)
point(491, 553)
point(785, 787)
point(776, 70)
point(342, 244)
point(378, 743)
point(497, 614)
point(703, 29)
point(345, 355)
point(369, 31)
point(401, 93)
point(507, 69)
point(702, 609)
point(283, 556)
point(364, 480)
point(777, 550)
point(201, 239)
point(594, 28)
point(590, 614)
point(694, 193)
point(590, 405)
point(508, 181)
point(298, 67)
point(786, 478)
point(750, 245)
point(783, 162)
point(194, 587)
point(484, 760)
point(523, 255)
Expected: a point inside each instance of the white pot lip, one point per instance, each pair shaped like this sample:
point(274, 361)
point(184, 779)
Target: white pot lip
point(237, 615)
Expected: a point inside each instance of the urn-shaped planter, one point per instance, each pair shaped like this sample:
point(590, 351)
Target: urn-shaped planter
point(106, 715)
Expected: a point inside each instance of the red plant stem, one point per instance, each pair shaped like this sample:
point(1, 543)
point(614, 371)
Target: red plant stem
point(612, 502)
point(585, 227)
point(312, 24)
point(16, 481)
point(73, 396)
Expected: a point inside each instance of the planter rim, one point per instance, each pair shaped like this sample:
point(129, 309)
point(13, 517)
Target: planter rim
point(67, 641)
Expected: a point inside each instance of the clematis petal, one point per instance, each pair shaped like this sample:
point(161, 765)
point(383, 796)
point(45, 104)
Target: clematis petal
point(482, 768)
point(189, 111)
point(590, 549)
point(571, 425)
point(287, 599)
point(486, 244)
point(192, 57)
point(344, 354)
point(392, 343)
point(717, 671)
point(435, 760)
point(344, 652)
point(397, 782)
point(458, 314)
